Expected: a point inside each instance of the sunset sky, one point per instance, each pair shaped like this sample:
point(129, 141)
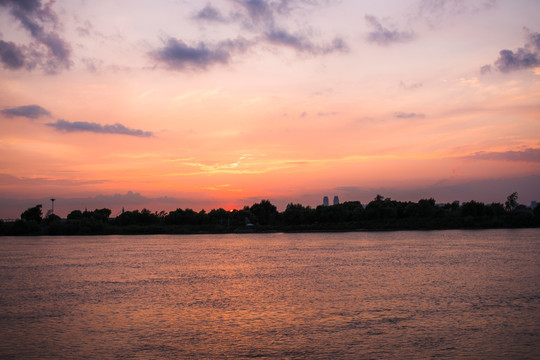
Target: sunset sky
point(192, 104)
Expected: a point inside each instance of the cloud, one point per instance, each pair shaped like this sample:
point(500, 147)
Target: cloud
point(382, 35)
point(522, 59)
point(404, 115)
point(531, 155)
point(178, 55)
point(410, 86)
point(27, 111)
point(526, 57)
point(92, 64)
point(486, 69)
point(49, 50)
point(210, 13)
point(259, 18)
point(42, 181)
point(263, 17)
point(256, 11)
point(83, 126)
point(11, 55)
point(438, 12)
point(303, 44)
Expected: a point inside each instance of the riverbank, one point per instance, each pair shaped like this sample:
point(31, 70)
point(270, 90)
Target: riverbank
point(73, 228)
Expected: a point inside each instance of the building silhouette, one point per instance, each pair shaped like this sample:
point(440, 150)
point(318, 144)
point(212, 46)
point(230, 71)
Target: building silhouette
point(325, 201)
point(336, 200)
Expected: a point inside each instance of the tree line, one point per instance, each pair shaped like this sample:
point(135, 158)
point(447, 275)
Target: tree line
point(379, 214)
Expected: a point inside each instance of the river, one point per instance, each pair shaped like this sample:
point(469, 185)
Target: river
point(360, 295)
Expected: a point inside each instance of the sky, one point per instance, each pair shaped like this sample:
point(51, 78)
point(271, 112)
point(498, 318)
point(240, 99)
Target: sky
point(194, 104)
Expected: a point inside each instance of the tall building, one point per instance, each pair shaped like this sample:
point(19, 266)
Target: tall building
point(336, 200)
point(325, 201)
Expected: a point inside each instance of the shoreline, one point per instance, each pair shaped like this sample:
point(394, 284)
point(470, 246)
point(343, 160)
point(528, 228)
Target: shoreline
point(142, 230)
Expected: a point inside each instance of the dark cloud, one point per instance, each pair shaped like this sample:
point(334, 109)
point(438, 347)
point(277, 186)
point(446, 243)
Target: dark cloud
point(179, 56)
point(533, 40)
point(404, 115)
point(530, 155)
point(521, 59)
point(27, 111)
point(303, 44)
point(210, 13)
point(11, 55)
point(49, 50)
point(259, 18)
point(257, 11)
point(263, 17)
point(455, 7)
point(437, 12)
point(526, 57)
point(83, 126)
point(382, 35)
point(486, 69)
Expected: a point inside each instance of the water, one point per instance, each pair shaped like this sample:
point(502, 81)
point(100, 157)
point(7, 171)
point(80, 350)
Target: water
point(447, 294)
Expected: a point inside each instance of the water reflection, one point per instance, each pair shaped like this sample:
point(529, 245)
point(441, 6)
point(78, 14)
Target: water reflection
point(450, 294)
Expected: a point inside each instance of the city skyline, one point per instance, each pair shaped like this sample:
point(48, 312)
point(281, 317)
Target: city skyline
point(216, 104)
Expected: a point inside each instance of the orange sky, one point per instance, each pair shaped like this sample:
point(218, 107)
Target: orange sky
point(129, 104)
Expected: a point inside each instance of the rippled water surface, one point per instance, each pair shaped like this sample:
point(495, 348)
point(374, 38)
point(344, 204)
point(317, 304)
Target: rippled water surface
point(449, 294)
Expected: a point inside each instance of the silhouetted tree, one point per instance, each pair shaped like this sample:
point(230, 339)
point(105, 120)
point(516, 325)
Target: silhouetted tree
point(265, 212)
point(52, 218)
point(33, 214)
point(127, 218)
point(102, 214)
point(136, 217)
point(238, 217)
point(346, 212)
point(384, 208)
point(185, 217)
point(511, 202)
point(296, 214)
point(147, 217)
point(75, 215)
point(219, 217)
point(202, 217)
point(426, 207)
point(473, 208)
point(99, 215)
point(495, 209)
point(410, 210)
point(536, 210)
